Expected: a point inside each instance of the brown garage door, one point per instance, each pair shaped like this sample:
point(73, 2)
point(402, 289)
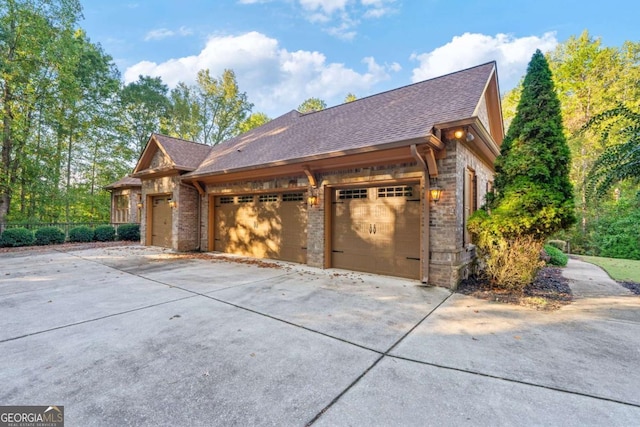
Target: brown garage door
point(377, 230)
point(161, 219)
point(263, 226)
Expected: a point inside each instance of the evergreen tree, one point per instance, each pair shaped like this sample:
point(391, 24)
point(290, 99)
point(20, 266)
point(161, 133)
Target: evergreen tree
point(532, 186)
point(532, 196)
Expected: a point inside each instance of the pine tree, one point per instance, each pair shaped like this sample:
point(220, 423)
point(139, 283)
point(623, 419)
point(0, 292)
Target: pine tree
point(532, 196)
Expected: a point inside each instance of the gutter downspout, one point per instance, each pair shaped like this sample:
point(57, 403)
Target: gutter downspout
point(425, 223)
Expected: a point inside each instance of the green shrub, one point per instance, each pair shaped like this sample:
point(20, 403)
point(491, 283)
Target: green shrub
point(81, 234)
point(49, 236)
point(104, 233)
point(129, 232)
point(560, 244)
point(17, 237)
point(557, 257)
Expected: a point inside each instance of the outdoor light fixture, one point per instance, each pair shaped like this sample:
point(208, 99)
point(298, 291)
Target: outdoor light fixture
point(435, 190)
point(463, 133)
point(312, 200)
point(140, 204)
point(172, 203)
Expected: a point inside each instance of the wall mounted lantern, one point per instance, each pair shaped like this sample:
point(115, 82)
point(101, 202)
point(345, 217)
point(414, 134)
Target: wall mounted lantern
point(463, 133)
point(140, 205)
point(312, 200)
point(172, 203)
point(435, 190)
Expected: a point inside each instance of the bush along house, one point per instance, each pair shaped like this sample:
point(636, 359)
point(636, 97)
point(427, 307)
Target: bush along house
point(383, 184)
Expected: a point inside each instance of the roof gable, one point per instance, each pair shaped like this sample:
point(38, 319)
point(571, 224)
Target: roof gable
point(164, 153)
point(370, 123)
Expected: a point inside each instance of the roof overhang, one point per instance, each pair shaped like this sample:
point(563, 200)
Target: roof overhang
point(393, 152)
point(483, 143)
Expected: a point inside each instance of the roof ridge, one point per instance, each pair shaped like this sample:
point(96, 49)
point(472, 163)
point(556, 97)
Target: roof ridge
point(181, 139)
point(399, 88)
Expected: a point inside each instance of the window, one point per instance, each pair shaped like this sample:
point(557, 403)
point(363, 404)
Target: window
point(245, 199)
point(268, 198)
point(403, 191)
point(293, 197)
point(470, 200)
point(121, 208)
point(225, 200)
point(356, 193)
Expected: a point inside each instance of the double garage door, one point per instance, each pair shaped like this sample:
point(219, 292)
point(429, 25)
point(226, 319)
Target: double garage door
point(373, 229)
point(262, 225)
point(377, 230)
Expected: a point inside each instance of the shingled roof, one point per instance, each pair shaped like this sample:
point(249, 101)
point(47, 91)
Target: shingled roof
point(126, 182)
point(369, 123)
point(186, 155)
point(182, 155)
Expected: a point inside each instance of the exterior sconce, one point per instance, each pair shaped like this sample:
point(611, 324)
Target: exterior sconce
point(312, 200)
point(172, 203)
point(140, 205)
point(463, 133)
point(435, 190)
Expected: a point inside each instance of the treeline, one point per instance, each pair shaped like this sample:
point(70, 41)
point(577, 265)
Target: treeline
point(599, 91)
point(68, 124)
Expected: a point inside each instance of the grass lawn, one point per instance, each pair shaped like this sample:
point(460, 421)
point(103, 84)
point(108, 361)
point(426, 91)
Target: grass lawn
point(626, 270)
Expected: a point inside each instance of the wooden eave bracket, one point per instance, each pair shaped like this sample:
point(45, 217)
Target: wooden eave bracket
point(198, 187)
point(310, 176)
point(428, 162)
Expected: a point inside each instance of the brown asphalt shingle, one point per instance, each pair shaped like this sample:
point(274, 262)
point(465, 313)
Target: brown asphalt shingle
point(397, 115)
point(125, 182)
point(186, 155)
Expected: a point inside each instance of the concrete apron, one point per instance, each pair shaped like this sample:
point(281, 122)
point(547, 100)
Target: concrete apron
point(137, 336)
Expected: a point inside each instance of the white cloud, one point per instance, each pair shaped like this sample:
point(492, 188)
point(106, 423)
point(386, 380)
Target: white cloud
point(276, 80)
point(163, 33)
point(339, 18)
point(511, 53)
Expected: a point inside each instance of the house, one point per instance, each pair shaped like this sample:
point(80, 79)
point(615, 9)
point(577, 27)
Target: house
point(126, 200)
point(384, 184)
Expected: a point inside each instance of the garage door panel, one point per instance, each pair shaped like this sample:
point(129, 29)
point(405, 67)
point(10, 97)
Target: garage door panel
point(262, 226)
point(161, 221)
point(378, 231)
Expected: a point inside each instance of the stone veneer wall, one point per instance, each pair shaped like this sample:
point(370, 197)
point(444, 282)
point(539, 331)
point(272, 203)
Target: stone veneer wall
point(451, 259)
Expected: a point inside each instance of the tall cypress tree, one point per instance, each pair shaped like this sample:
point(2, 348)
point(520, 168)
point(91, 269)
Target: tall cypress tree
point(532, 196)
point(532, 193)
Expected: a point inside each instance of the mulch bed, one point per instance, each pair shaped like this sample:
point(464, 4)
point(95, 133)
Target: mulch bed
point(66, 247)
point(549, 291)
point(632, 286)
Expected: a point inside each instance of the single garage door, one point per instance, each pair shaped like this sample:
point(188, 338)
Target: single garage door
point(161, 219)
point(377, 230)
point(262, 226)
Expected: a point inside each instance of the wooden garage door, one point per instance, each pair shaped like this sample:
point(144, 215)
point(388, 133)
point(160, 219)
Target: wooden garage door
point(263, 226)
point(161, 218)
point(377, 230)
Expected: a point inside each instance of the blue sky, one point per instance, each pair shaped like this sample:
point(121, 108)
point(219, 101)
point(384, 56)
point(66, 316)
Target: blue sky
point(284, 51)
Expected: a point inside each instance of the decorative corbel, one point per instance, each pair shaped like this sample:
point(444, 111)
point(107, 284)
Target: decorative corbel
point(310, 176)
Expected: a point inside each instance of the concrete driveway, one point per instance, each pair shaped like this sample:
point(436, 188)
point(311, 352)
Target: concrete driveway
point(140, 336)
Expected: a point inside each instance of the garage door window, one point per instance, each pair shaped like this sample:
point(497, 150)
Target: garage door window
point(245, 199)
point(404, 191)
point(293, 197)
point(225, 200)
point(268, 198)
point(354, 193)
